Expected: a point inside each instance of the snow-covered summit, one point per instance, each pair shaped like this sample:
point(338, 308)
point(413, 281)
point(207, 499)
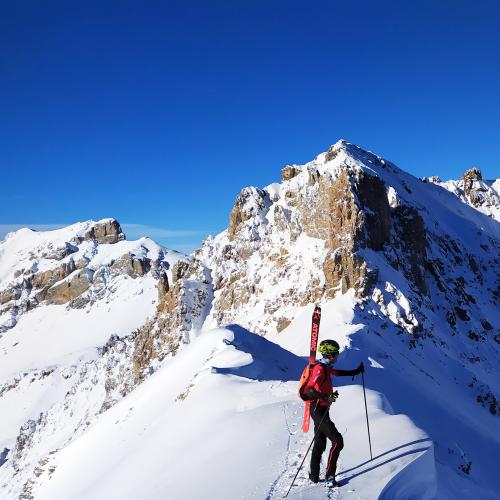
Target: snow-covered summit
point(74, 265)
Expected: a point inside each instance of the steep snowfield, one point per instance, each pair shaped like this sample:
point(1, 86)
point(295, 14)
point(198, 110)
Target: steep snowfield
point(55, 340)
point(54, 335)
point(220, 421)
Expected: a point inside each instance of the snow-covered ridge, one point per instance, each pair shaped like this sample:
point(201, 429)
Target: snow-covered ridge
point(472, 189)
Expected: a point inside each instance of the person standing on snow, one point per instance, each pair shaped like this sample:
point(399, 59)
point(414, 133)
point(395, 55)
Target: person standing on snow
point(320, 388)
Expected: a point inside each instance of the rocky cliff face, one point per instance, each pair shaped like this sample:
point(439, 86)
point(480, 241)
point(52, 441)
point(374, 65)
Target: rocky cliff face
point(416, 257)
point(306, 238)
point(81, 265)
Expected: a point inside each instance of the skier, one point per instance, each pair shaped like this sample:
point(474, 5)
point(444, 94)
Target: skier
point(319, 387)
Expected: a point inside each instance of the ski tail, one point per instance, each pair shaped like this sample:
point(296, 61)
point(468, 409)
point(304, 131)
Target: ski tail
point(316, 318)
point(307, 417)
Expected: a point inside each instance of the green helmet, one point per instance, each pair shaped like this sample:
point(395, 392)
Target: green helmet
point(329, 348)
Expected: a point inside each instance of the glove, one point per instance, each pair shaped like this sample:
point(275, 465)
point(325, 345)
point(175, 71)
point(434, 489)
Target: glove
point(360, 368)
point(333, 397)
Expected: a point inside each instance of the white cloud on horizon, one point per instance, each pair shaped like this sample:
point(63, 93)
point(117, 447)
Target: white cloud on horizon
point(181, 240)
point(138, 230)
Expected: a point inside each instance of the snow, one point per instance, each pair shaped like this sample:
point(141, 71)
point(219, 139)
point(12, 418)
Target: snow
point(16, 249)
point(487, 191)
point(72, 333)
point(207, 444)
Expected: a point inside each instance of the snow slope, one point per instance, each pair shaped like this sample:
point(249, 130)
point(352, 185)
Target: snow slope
point(220, 421)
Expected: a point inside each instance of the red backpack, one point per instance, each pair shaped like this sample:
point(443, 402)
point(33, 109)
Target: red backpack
point(304, 379)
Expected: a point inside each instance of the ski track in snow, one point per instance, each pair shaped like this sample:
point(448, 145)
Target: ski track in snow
point(298, 443)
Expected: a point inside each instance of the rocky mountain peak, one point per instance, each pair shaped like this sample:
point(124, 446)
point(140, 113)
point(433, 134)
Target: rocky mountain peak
point(477, 192)
point(75, 266)
point(307, 236)
point(471, 175)
point(106, 231)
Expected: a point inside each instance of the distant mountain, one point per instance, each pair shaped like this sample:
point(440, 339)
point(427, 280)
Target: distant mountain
point(407, 272)
point(473, 190)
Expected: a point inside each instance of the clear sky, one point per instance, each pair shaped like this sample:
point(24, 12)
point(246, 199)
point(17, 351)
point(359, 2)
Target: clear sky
point(158, 113)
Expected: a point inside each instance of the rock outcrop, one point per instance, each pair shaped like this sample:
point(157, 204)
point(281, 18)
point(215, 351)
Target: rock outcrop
point(108, 231)
point(69, 289)
point(475, 191)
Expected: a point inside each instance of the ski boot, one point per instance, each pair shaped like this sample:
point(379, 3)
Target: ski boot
point(313, 479)
point(330, 482)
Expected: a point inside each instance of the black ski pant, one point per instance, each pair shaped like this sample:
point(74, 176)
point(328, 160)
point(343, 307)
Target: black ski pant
point(326, 430)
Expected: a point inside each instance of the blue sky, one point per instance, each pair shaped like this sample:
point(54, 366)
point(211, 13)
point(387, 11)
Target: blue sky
point(158, 113)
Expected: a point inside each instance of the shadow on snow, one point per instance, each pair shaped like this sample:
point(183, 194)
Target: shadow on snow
point(424, 440)
point(269, 360)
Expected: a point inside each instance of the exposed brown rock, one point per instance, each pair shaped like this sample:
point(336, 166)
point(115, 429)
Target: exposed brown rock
point(344, 269)
point(131, 265)
point(468, 179)
point(144, 349)
point(179, 270)
point(313, 177)
point(333, 151)
point(170, 300)
point(288, 173)
point(10, 294)
point(233, 297)
point(105, 232)
point(163, 285)
point(331, 214)
point(471, 175)
point(51, 276)
point(282, 217)
point(69, 289)
point(282, 323)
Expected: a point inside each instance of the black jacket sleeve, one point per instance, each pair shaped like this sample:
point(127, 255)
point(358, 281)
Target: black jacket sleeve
point(346, 373)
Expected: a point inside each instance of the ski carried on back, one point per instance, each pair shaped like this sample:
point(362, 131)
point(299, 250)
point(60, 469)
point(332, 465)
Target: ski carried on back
point(316, 317)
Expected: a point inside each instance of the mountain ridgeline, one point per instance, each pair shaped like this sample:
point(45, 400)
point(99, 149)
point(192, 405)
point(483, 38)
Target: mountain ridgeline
point(420, 256)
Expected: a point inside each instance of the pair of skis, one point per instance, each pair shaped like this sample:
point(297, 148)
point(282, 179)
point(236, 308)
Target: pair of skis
point(316, 318)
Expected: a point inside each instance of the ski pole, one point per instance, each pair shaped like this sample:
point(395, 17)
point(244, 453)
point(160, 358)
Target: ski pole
point(367, 422)
point(304, 459)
